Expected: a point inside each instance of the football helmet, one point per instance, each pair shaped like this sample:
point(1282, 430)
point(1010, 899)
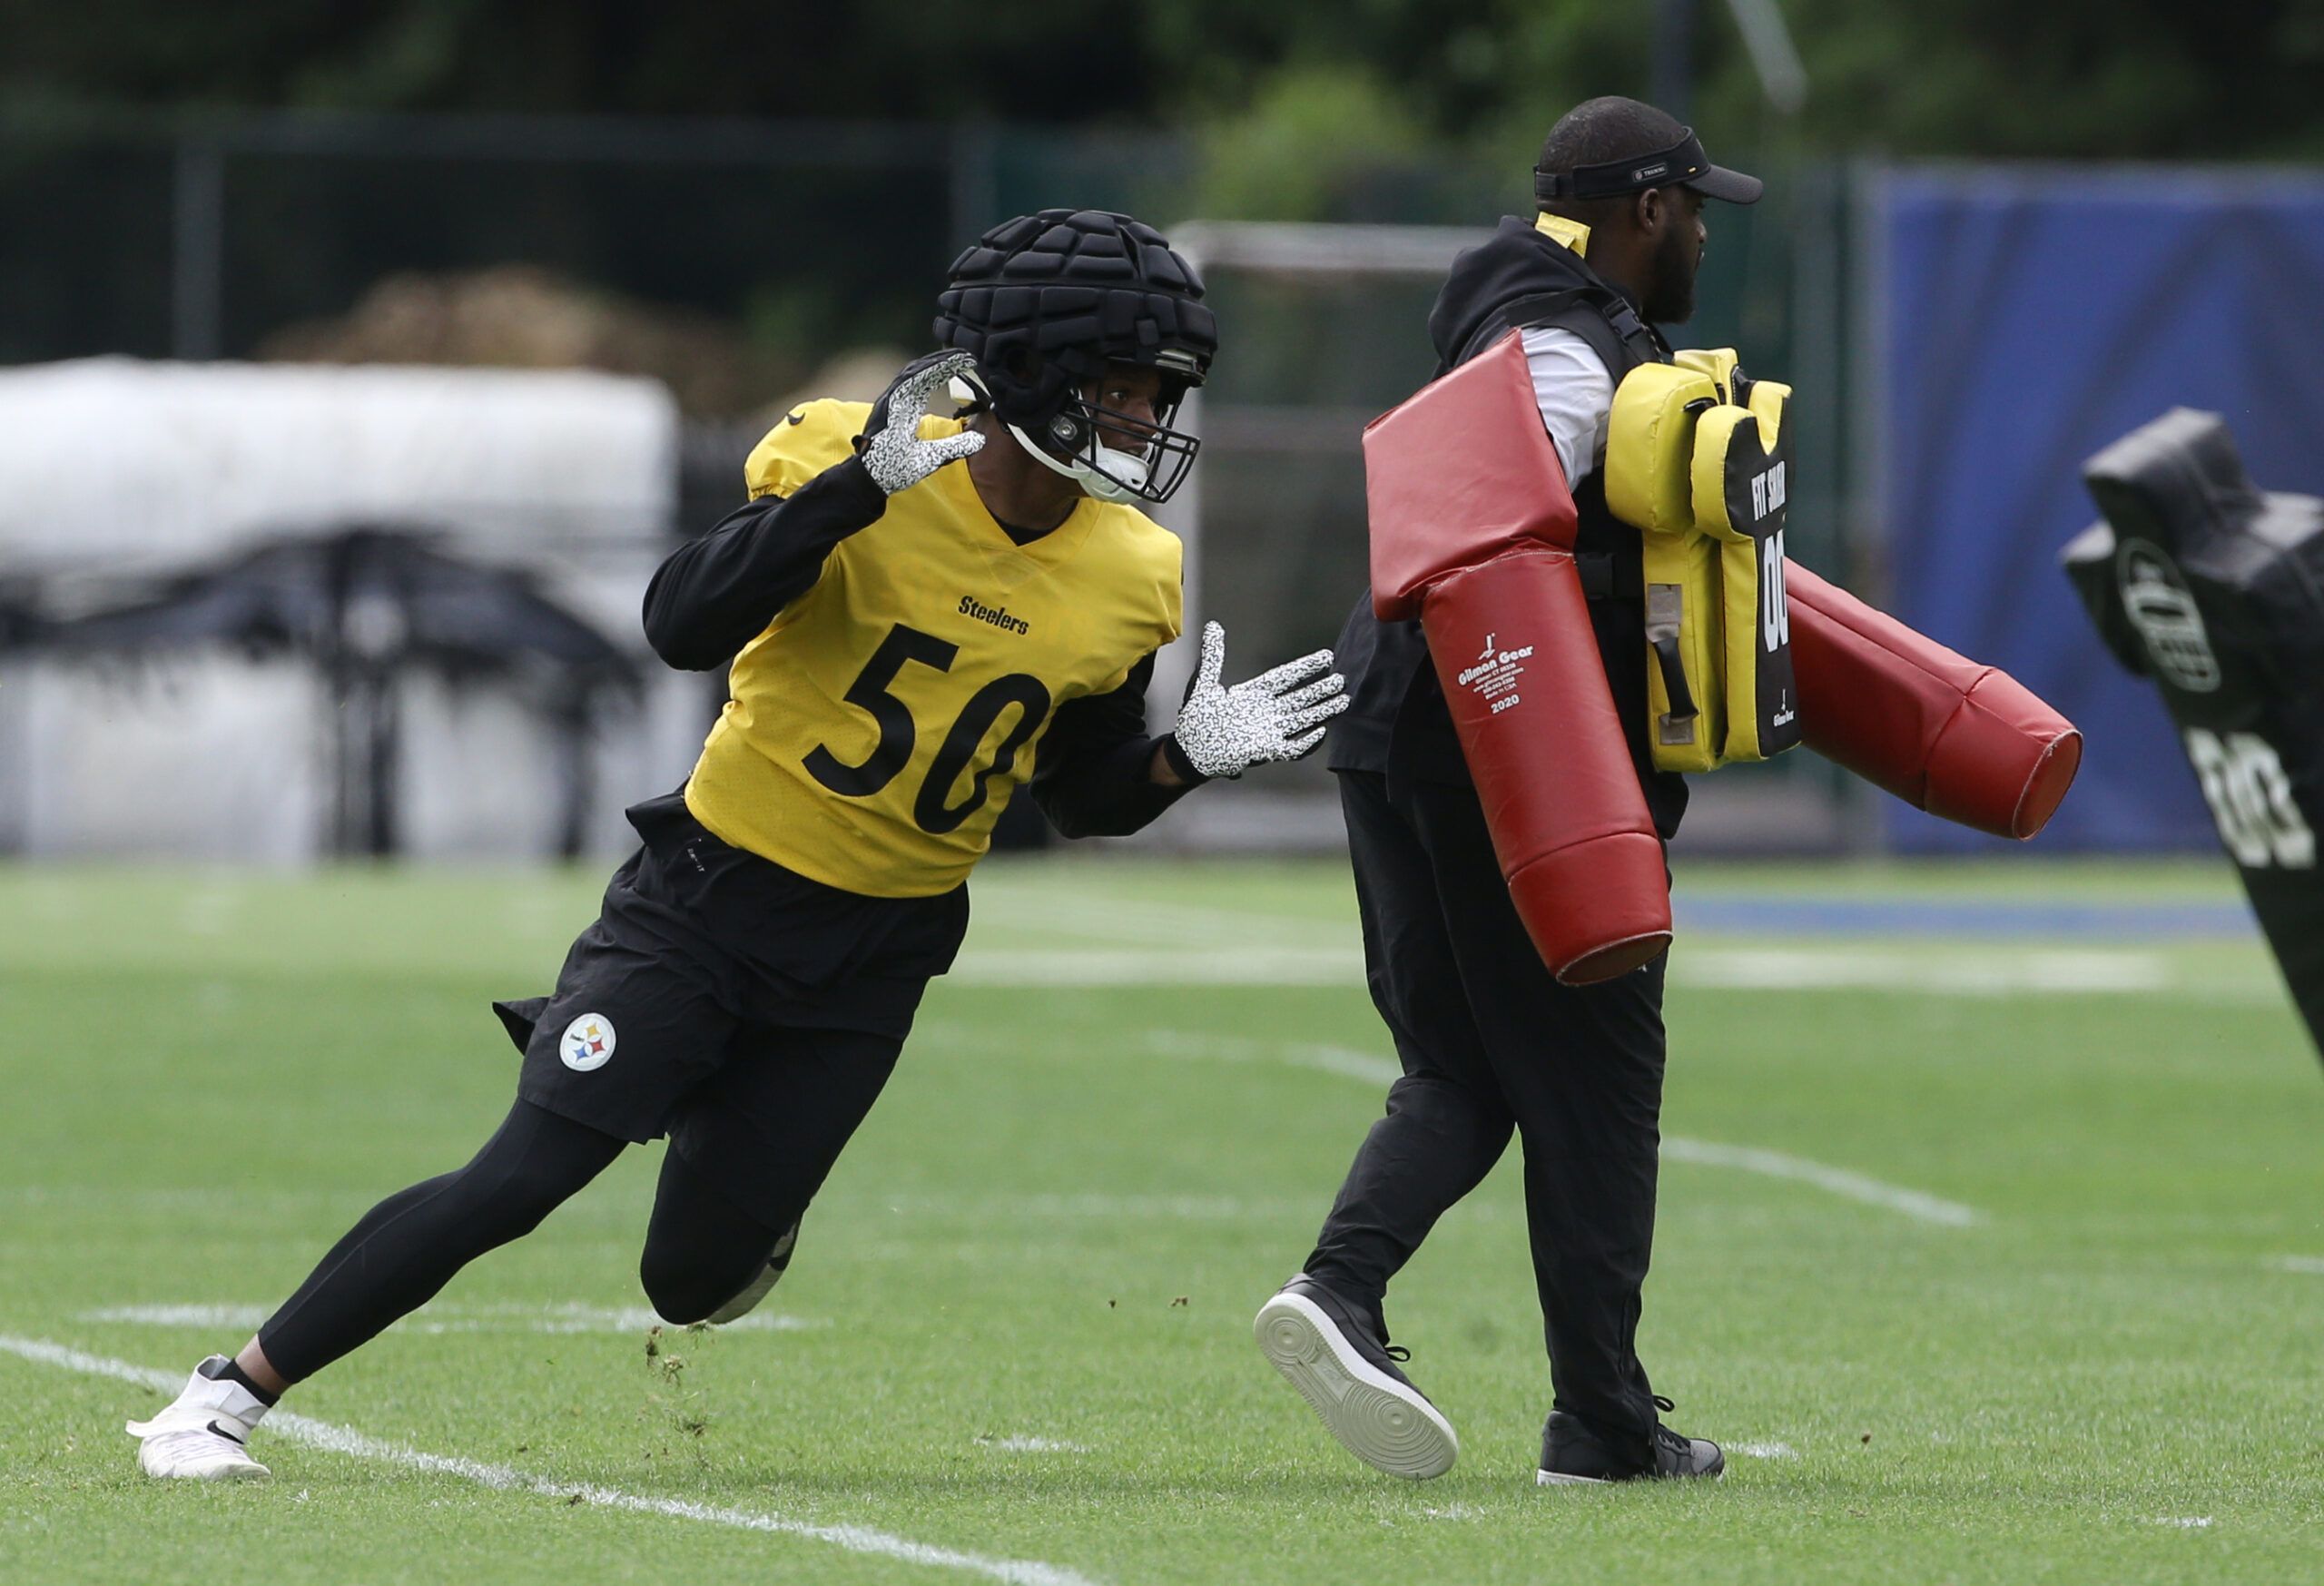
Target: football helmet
point(1044, 303)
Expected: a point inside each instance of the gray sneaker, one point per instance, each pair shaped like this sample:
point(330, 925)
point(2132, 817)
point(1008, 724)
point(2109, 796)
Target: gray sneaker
point(1326, 1348)
point(1571, 1452)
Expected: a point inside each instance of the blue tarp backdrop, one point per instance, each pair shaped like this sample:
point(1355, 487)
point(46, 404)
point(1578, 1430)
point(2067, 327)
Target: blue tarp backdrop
point(2025, 317)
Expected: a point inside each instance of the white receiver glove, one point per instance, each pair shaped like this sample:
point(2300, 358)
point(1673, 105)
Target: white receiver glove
point(894, 455)
point(1277, 715)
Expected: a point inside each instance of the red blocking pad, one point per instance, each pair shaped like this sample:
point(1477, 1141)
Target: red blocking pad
point(1967, 743)
point(1513, 648)
point(1458, 473)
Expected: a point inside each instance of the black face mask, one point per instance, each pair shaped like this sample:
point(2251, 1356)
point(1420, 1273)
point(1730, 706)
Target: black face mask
point(1081, 427)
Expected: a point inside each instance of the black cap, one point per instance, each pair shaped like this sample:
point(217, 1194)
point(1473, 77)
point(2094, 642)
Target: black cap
point(1682, 164)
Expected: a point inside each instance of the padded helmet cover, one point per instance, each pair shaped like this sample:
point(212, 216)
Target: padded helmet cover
point(1044, 302)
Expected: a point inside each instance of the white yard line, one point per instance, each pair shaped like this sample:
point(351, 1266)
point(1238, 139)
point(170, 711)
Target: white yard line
point(1104, 955)
point(336, 1439)
point(235, 1318)
point(1981, 974)
point(1344, 1061)
point(507, 1318)
point(1368, 1070)
point(1347, 1062)
point(2308, 1263)
point(1143, 921)
point(1839, 1181)
point(1093, 1206)
point(1035, 968)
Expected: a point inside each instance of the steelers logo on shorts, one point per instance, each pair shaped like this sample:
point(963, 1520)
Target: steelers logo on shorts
point(588, 1043)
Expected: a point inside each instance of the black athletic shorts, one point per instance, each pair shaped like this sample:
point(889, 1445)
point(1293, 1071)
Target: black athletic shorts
point(704, 950)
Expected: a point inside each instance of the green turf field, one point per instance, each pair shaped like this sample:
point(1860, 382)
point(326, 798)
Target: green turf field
point(1989, 1261)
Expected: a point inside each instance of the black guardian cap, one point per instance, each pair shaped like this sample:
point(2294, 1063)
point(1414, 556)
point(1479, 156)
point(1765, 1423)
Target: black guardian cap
point(1045, 302)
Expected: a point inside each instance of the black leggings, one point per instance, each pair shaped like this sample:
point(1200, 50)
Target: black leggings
point(701, 1247)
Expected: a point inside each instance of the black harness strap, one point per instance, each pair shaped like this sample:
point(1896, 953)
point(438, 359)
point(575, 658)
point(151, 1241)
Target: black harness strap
point(1606, 576)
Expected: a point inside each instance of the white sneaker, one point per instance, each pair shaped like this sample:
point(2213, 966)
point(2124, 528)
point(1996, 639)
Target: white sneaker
point(778, 1260)
point(200, 1435)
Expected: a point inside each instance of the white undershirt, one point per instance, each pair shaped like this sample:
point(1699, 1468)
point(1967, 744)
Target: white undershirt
point(1575, 393)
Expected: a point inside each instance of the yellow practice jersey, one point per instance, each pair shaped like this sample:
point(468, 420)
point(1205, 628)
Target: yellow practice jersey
point(880, 722)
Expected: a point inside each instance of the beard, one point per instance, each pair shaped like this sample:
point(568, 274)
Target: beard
point(1671, 281)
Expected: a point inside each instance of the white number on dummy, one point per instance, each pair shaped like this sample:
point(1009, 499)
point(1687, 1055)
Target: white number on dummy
point(2250, 798)
point(1775, 606)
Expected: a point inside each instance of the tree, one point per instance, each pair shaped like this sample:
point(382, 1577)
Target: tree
point(2082, 78)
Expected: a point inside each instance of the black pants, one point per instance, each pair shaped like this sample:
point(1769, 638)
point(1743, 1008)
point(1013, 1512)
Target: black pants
point(751, 1014)
point(780, 1119)
point(1491, 1044)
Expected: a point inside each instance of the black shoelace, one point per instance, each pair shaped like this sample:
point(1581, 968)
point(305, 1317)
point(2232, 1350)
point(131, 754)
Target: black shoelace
point(1676, 1442)
point(1396, 1352)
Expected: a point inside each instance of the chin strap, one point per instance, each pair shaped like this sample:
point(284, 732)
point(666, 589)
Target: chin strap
point(1109, 475)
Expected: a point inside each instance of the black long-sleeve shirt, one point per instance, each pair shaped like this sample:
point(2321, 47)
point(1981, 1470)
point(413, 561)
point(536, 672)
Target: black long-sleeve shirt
point(713, 595)
point(1093, 772)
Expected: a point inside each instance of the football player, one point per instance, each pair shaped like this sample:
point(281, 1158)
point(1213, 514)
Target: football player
point(918, 611)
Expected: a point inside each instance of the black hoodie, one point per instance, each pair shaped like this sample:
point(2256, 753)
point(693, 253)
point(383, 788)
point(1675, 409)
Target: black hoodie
point(1396, 722)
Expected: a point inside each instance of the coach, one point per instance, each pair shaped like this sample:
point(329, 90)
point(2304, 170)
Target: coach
point(1489, 1041)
